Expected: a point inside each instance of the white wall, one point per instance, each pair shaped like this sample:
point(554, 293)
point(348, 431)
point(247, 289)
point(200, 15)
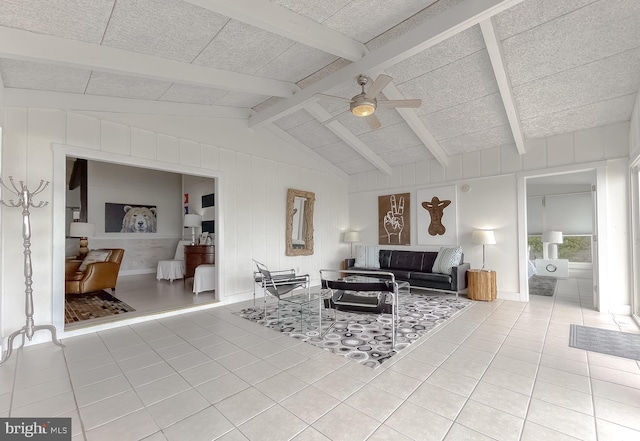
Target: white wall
point(251, 193)
point(492, 201)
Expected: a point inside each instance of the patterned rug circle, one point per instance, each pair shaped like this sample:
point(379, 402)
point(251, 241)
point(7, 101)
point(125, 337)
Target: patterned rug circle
point(359, 336)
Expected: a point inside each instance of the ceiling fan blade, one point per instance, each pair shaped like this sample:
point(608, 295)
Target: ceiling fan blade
point(332, 97)
point(373, 121)
point(377, 86)
point(400, 103)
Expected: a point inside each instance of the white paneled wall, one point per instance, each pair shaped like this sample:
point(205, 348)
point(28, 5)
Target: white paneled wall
point(492, 201)
point(251, 193)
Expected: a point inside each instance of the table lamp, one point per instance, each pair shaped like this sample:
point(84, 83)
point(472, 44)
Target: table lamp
point(484, 237)
point(83, 230)
point(351, 237)
point(193, 221)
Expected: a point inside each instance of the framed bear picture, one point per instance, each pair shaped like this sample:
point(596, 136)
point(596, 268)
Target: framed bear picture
point(130, 218)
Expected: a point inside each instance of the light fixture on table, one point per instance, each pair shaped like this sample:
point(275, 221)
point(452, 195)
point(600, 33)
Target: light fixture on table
point(84, 231)
point(484, 237)
point(552, 239)
point(193, 221)
point(351, 237)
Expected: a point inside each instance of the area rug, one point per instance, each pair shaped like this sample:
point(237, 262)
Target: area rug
point(359, 336)
point(605, 341)
point(78, 307)
point(542, 285)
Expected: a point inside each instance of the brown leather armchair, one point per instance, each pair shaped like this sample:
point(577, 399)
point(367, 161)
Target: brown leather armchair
point(96, 276)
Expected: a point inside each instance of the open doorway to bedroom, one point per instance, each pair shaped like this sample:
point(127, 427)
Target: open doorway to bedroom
point(97, 193)
point(561, 230)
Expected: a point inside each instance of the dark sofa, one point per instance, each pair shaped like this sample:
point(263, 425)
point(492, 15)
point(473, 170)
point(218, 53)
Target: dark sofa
point(416, 268)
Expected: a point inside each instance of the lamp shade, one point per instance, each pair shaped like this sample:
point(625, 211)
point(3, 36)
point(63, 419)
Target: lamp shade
point(351, 236)
point(192, 220)
point(551, 236)
point(82, 229)
point(484, 237)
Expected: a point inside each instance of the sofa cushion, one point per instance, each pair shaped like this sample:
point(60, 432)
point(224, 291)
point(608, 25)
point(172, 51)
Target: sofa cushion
point(406, 260)
point(94, 256)
point(427, 261)
point(447, 257)
point(385, 259)
point(435, 277)
point(367, 256)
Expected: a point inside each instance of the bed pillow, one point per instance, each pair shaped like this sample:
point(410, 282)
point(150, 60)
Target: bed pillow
point(367, 257)
point(447, 258)
point(94, 256)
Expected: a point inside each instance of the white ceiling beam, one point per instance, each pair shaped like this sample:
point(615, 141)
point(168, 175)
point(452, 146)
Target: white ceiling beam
point(24, 45)
point(433, 31)
point(504, 82)
point(76, 101)
point(413, 120)
point(286, 137)
point(321, 114)
point(276, 19)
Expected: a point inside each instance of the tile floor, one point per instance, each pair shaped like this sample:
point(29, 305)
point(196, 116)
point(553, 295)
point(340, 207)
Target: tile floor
point(498, 371)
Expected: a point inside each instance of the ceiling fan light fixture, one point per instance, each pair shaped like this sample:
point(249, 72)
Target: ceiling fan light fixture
point(363, 107)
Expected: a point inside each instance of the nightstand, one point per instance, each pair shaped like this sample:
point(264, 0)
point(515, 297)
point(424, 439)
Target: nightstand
point(481, 285)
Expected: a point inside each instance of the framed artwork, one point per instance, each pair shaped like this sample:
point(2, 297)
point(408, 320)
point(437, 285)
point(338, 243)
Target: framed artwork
point(394, 219)
point(207, 200)
point(437, 216)
point(130, 218)
point(208, 226)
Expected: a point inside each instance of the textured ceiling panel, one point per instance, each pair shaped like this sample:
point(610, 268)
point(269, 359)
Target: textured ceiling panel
point(337, 152)
point(315, 10)
point(458, 46)
point(186, 93)
point(37, 76)
point(357, 166)
point(82, 20)
point(313, 134)
point(294, 119)
point(102, 83)
point(324, 72)
point(240, 99)
point(596, 31)
point(431, 9)
point(464, 80)
point(242, 48)
point(407, 156)
point(299, 61)
point(469, 117)
point(362, 19)
point(165, 28)
point(604, 79)
point(529, 14)
point(591, 115)
point(395, 137)
point(493, 137)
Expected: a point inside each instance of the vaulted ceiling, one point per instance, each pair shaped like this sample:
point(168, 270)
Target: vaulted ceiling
point(489, 72)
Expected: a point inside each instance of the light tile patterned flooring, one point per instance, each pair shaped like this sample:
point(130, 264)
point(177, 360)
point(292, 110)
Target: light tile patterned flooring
point(498, 371)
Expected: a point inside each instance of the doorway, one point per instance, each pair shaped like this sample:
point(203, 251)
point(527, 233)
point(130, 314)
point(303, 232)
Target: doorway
point(559, 227)
point(137, 281)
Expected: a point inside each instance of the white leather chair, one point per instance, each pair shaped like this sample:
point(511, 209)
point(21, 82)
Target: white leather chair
point(173, 269)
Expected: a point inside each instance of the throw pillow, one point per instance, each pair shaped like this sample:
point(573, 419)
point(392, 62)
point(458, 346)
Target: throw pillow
point(94, 256)
point(447, 257)
point(367, 257)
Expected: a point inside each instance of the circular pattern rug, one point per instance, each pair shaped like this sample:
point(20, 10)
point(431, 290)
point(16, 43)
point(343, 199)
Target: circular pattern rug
point(359, 336)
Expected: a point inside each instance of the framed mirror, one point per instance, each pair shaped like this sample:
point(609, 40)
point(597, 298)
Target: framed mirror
point(299, 236)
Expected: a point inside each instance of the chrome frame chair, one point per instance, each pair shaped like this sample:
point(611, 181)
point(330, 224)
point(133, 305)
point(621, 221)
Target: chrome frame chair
point(280, 283)
point(386, 284)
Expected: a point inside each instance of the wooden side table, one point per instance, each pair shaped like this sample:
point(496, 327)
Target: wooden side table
point(195, 255)
point(481, 285)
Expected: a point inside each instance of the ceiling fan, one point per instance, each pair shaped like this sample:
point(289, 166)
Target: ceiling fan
point(365, 103)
